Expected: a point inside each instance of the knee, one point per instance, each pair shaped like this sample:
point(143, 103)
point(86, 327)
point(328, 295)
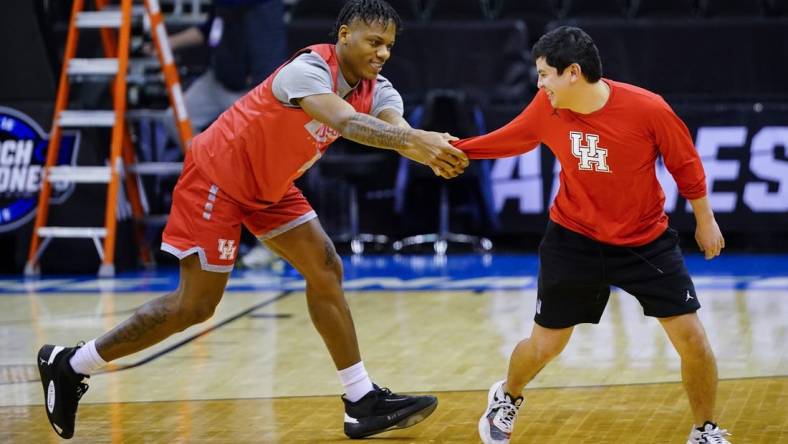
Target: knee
point(324, 294)
point(548, 347)
point(196, 314)
point(193, 310)
point(546, 351)
point(694, 344)
point(327, 276)
point(334, 269)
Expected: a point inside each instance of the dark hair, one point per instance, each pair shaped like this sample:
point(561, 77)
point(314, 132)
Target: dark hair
point(368, 10)
point(566, 45)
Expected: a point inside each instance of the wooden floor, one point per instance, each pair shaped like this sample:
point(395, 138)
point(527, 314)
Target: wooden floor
point(755, 410)
point(258, 372)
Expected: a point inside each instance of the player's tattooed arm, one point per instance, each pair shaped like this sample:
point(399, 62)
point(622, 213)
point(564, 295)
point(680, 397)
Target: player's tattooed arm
point(363, 128)
point(426, 147)
point(389, 115)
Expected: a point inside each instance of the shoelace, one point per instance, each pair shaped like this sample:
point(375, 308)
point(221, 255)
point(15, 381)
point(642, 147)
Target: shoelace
point(507, 411)
point(716, 436)
point(385, 391)
point(81, 389)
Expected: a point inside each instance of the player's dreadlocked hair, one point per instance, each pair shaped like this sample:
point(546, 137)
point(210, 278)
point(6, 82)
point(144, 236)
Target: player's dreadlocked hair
point(368, 10)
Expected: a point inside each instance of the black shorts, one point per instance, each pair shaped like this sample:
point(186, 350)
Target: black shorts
point(576, 272)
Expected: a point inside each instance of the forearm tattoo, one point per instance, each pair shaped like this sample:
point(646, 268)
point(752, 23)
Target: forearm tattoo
point(368, 130)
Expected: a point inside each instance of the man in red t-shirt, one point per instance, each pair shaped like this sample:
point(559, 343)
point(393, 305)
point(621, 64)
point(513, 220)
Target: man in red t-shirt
point(607, 225)
point(241, 171)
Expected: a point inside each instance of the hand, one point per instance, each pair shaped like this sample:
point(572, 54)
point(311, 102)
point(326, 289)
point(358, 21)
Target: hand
point(433, 149)
point(709, 238)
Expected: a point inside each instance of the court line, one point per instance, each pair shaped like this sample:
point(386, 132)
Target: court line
point(271, 315)
point(434, 392)
point(200, 334)
point(184, 341)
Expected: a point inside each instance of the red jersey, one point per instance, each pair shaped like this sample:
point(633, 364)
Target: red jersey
point(608, 184)
point(258, 147)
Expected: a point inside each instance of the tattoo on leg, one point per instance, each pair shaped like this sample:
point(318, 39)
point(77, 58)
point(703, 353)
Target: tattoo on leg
point(331, 255)
point(146, 318)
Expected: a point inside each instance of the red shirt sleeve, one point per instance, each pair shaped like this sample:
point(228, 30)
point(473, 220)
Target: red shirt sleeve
point(681, 158)
point(516, 137)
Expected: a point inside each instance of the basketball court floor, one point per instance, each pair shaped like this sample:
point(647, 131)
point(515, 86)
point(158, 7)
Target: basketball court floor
point(257, 372)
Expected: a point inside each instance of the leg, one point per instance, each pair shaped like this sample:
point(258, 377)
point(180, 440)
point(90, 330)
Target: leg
point(504, 398)
point(372, 410)
point(532, 354)
point(192, 302)
point(572, 290)
point(311, 252)
point(656, 275)
point(698, 366)
point(203, 220)
point(564, 299)
point(292, 231)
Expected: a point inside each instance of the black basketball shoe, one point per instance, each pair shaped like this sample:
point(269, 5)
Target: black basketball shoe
point(380, 410)
point(63, 387)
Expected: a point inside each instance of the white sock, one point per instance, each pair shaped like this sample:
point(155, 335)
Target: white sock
point(87, 360)
point(356, 381)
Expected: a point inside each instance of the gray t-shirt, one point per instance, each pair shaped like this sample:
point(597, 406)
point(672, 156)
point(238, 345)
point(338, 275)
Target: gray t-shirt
point(308, 74)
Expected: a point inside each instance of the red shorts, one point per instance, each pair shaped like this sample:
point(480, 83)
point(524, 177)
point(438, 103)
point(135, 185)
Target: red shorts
point(206, 221)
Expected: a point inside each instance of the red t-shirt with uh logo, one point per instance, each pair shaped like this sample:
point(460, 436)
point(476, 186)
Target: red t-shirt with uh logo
point(608, 185)
point(258, 147)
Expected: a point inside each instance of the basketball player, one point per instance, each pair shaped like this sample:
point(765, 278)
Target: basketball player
point(607, 225)
point(241, 171)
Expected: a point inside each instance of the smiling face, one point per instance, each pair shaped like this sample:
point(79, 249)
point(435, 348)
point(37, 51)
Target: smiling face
point(556, 86)
point(364, 47)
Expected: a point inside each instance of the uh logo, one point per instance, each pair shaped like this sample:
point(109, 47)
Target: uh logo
point(23, 148)
point(592, 156)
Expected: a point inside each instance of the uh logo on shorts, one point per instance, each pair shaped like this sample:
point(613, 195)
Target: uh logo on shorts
point(226, 249)
point(592, 156)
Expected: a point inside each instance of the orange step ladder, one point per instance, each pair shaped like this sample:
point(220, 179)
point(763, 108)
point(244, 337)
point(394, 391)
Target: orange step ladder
point(110, 21)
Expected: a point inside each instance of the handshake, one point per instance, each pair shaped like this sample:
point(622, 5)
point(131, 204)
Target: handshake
point(434, 150)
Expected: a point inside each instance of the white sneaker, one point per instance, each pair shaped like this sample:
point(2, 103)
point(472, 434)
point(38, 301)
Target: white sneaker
point(495, 425)
point(711, 434)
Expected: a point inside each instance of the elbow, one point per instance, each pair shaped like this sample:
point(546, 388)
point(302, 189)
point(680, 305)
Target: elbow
point(694, 191)
point(343, 123)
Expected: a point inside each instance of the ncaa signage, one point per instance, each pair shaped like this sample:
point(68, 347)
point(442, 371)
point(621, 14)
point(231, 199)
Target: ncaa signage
point(23, 147)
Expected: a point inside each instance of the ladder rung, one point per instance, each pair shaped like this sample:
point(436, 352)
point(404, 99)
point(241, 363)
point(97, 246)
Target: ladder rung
point(99, 19)
point(72, 232)
point(185, 19)
point(156, 168)
point(86, 118)
point(136, 10)
point(93, 67)
point(80, 174)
